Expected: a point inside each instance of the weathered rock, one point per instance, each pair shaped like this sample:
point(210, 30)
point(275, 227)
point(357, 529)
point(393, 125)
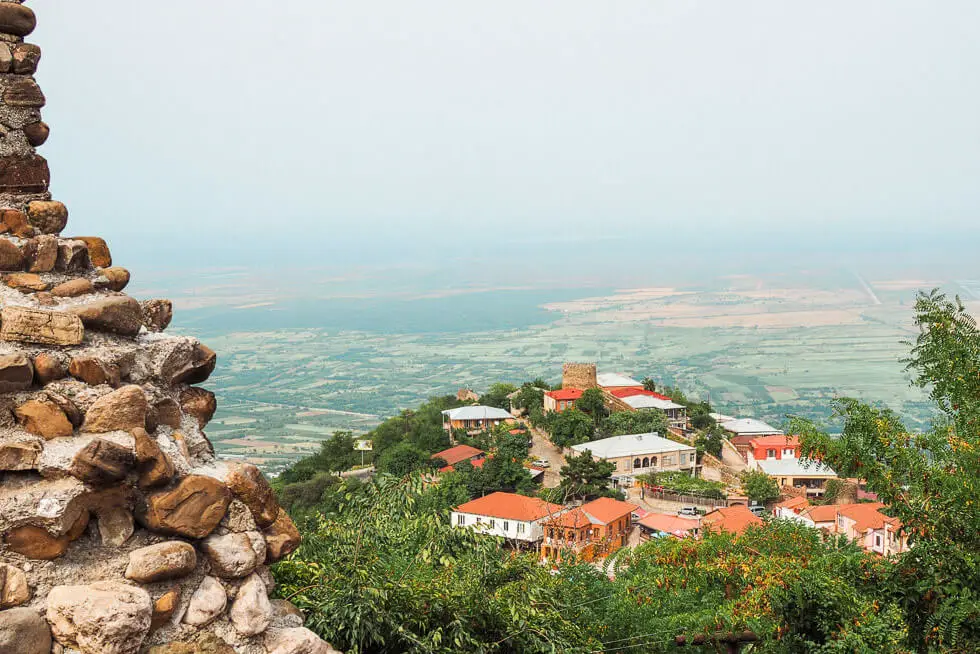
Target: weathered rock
point(115, 526)
point(234, 555)
point(43, 418)
point(282, 538)
point(15, 222)
point(155, 466)
point(207, 603)
point(251, 611)
point(114, 279)
point(164, 608)
point(296, 640)
point(41, 253)
point(19, 454)
point(72, 257)
point(253, 489)
point(36, 543)
point(23, 92)
point(48, 216)
point(169, 560)
point(94, 371)
point(26, 57)
point(199, 367)
point(17, 19)
point(24, 174)
point(102, 462)
point(73, 288)
point(164, 412)
point(14, 589)
point(16, 373)
point(204, 644)
point(101, 618)
point(117, 314)
point(49, 367)
point(287, 613)
point(37, 133)
point(74, 416)
point(24, 631)
point(192, 508)
point(121, 410)
point(200, 403)
point(26, 282)
point(157, 314)
point(11, 256)
point(98, 250)
point(40, 326)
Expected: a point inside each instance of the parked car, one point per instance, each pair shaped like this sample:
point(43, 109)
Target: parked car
point(540, 463)
point(759, 510)
point(689, 511)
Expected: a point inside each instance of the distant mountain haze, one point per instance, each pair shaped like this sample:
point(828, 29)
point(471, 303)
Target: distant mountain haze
point(372, 130)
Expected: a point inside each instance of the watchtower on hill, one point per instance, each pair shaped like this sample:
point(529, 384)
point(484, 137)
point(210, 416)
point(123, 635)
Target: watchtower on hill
point(579, 375)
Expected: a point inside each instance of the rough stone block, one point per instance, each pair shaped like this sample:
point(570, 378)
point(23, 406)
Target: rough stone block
point(23, 92)
point(192, 508)
point(24, 174)
point(48, 216)
point(40, 326)
point(16, 19)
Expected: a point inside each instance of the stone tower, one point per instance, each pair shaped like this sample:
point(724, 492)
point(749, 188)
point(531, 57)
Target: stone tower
point(120, 532)
point(579, 375)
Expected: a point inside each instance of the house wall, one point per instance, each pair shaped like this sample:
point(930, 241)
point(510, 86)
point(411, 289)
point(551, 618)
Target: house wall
point(529, 532)
point(579, 375)
point(665, 461)
point(590, 543)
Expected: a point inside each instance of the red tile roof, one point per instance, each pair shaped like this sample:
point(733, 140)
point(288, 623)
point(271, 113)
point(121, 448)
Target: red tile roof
point(454, 455)
point(733, 519)
point(606, 509)
point(574, 519)
point(825, 513)
point(476, 463)
point(799, 503)
point(775, 440)
point(867, 516)
point(633, 392)
point(668, 523)
point(565, 394)
point(510, 506)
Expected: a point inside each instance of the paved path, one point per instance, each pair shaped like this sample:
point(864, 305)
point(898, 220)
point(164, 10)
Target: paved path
point(542, 448)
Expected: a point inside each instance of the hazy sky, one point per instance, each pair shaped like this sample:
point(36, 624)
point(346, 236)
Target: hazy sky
point(228, 122)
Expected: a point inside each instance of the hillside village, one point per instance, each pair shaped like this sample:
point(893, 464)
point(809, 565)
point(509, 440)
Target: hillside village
point(662, 484)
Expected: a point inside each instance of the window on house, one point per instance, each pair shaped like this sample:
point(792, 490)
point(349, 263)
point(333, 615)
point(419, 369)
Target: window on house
point(877, 540)
point(653, 461)
point(506, 525)
point(461, 519)
point(637, 463)
point(770, 454)
point(479, 519)
point(646, 462)
point(788, 452)
point(493, 523)
point(668, 460)
point(520, 527)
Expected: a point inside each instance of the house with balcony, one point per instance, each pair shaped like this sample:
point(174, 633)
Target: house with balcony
point(638, 454)
point(517, 518)
point(741, 431)
point(809, 476)
point(474, 419)
point(872, 530)
point(591, 531)
point(638, 399)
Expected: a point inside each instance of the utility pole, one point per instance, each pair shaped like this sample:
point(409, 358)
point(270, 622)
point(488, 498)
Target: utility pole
point(732, 642)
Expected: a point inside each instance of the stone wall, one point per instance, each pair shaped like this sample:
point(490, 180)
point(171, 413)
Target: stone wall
point(120, 531)
point(579, 375)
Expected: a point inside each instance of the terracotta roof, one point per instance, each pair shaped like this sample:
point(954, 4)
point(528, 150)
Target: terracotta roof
point(775, 440)
point(867, 516)
point(733, 519)
point(825, 513)
point(574, 519)
point(565, 394)
point(605, 510)
point(476, 463)
point(668, 523)
point(454, 455)
point(510, 506)
point(794, 503)
point(633, 392)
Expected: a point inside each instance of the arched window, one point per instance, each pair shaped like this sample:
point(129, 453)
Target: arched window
point(653, 462)
point(636, 463)
point(646, 462)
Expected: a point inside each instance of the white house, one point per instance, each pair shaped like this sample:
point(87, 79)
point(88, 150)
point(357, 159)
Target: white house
point(474, 418)
point(512, 516)
point(636, 454)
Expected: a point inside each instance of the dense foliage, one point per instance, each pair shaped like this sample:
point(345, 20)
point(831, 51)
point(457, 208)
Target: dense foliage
point(759, 487)
point(684, 484)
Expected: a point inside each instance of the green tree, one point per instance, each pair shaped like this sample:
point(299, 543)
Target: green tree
point(497, 396)
point(585, 478)
point(710, 441)
point(759, 487)
point(336, 454)
point(529, 398)
point(593, 403)
point(403, 459)
point(645, 421)
point(570, 427)
point(649, 384)
point(930, 481)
